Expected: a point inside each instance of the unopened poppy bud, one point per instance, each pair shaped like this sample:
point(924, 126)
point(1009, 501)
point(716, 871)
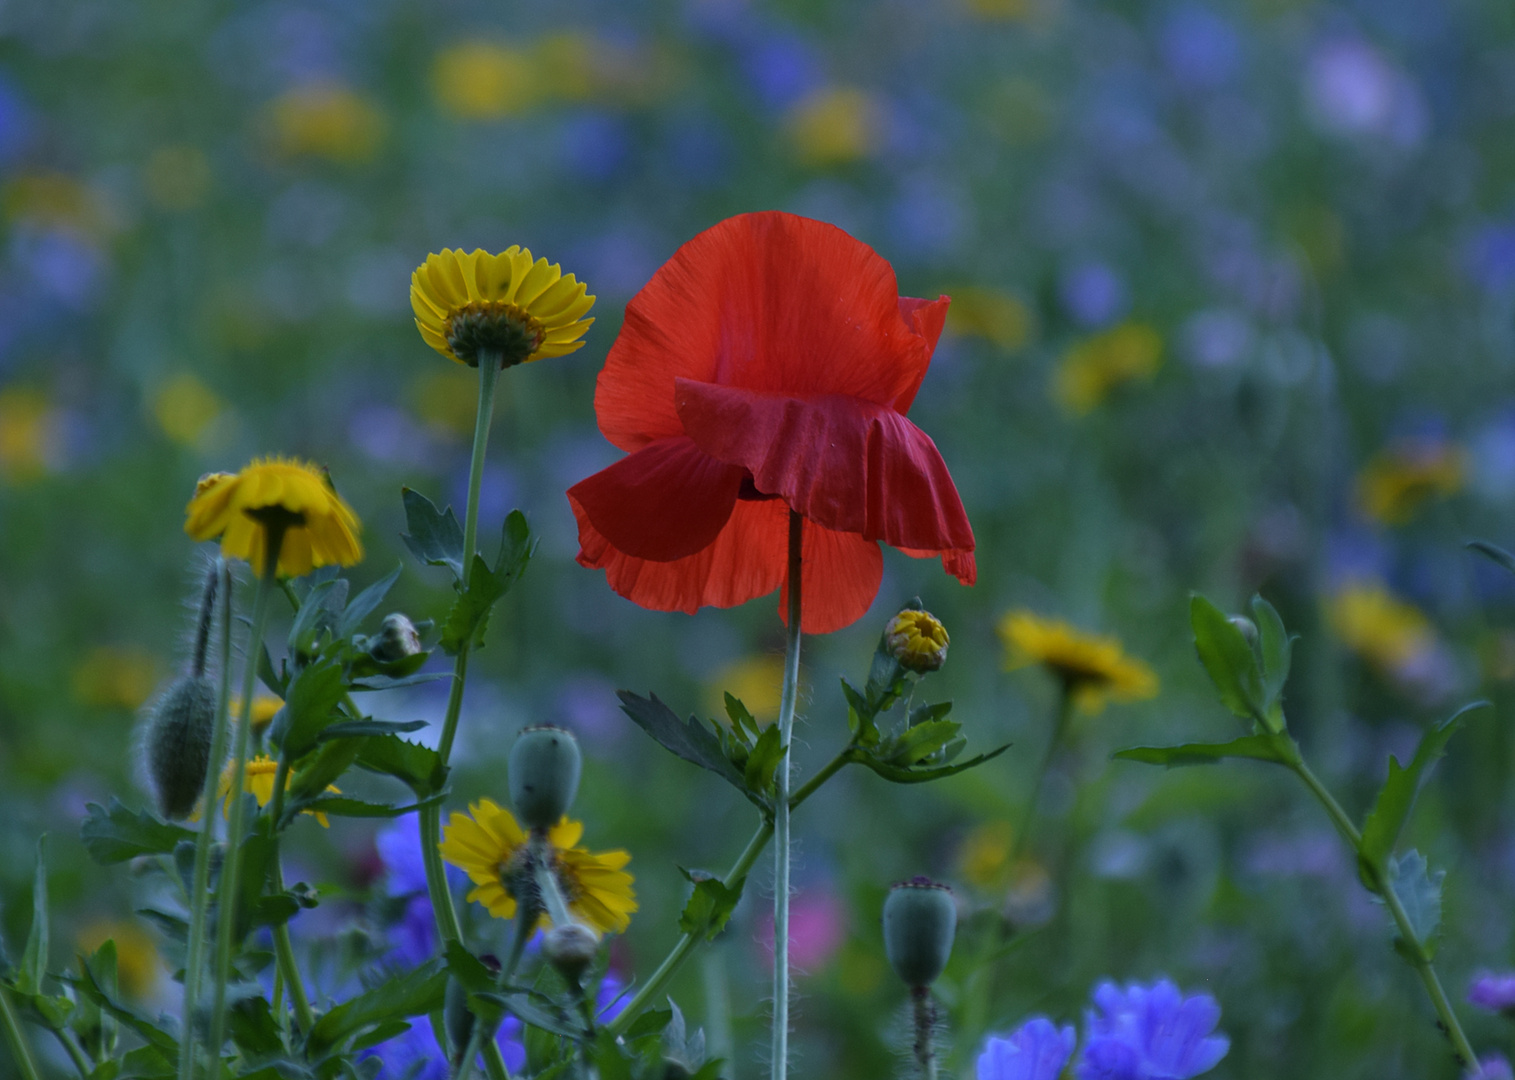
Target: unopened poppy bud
point(178, 743)
point(571, 949)
point(457, 1018)
point(544, 775)
point(397, 638)
point(920, 921)
point(918, 640)
point(1247, 627)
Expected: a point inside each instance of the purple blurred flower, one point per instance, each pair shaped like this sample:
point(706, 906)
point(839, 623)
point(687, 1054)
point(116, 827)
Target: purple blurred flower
point(1352, 90)
point(414, 937)
point(1151, 1033)
point(1200, 46)
point(595, 145)
point(1037, 1050)
point(65, 266)
point(1493, 990)
point(416, 1054)
point(1493, 1067)
point(1093, 294)
point(782, 68)
point(1488, 257)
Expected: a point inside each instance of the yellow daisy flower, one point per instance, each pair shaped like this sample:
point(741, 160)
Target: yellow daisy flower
point(1094, 668)
point(319, 528)
point(490, 847)
point(1384, 630)
point(259, 782)
point(506, 303)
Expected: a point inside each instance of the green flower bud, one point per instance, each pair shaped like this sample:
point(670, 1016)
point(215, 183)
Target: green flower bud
point(178, 743)
point(544, 775)
point(397, 638)
point(918, 640)
point(920, 920)
point(570, 948)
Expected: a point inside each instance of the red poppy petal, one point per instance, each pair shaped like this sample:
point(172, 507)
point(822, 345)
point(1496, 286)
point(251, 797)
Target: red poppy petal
point(666, 501)
point(839, 577)
point(746, 560)
point(960, 564)
point(767, 301)
point(926, 318)
point(846, 464)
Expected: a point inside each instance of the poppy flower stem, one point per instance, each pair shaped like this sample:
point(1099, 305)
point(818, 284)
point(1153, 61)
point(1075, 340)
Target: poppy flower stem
point(268, 584)
point(780, 1057)
point(1054, 744)
point(199, 900)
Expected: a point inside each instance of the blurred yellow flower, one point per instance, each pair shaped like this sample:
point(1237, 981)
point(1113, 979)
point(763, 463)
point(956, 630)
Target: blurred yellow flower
point(571, 65)
point(985, 854)
point(491, 848)
point(54, 200)
point(757, 681)
point(28, 434)
point(184, 407)
point(113, 676)
point(1092, 667)
point(138, 965)
point(1385, 631)
point(319, 528)
point(1091, 369)
point(995, 316)
point(176, 177)
point(1394, 486)
point(521, 310)
point(328, 121)
point(264, 708)
point(835, 126)
point(1000, 10)
point(258, 781)
point(480, 80)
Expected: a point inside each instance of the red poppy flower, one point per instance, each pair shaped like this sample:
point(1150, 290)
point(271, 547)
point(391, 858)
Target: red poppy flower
point(767, 366)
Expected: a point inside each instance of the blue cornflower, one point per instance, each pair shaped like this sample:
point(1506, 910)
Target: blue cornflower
point(1036, 1050)
point(1154, 1033)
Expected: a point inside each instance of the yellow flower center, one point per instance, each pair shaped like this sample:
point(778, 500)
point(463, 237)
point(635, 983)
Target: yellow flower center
point(509, 331)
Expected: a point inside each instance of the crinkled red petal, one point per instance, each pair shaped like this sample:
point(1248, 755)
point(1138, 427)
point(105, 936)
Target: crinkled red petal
point(927, 318)
point(846, 464)
point(667, 501)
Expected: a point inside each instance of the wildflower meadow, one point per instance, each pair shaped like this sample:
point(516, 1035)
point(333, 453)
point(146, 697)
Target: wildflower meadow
point(757, 539)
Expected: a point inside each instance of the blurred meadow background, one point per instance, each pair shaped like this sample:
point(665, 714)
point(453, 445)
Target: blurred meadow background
point(1233, 309)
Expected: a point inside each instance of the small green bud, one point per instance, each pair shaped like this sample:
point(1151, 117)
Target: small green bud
point(178, 743)
point(570, 949)
point(920, 921)
point(544, 775)
point(1247, 627)
point(457, 1018)
point(397, 638)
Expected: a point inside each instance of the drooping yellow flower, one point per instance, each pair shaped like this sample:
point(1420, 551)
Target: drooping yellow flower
point(258, 781)
point(491, 848)
point(835, 126)
point(1090, 370)
point(319, 528)
point(139, 967)
point(918, 640)
point(1094, 668)
point(522, 310)
point(326, 120)
point(1382, 629)
point(1394, 486)
point(997, 317)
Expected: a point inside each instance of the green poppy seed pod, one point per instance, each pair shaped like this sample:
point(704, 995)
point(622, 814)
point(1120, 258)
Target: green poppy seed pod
point(570, 949)
point(178, 743)
point(397, 638)
point(544, 775)
point(920, 920)
point(457, 1018)
point(1247, 627)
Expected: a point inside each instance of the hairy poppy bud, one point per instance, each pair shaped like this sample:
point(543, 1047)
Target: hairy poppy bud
point(571, 949)
point(397, 638)
point(544, 775)
point(178, 743)
point(920, 920)
point(918, 640)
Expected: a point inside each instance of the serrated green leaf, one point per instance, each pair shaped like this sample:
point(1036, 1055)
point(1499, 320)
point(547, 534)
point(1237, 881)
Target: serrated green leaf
point(418, 767)
point(742, 721)
point(922, 714)
point(310, 706)
point(34, 956)
point(609, 1059)
point(710, 905)
point(1268, 747)
point(88, 987)
point(916, 744)
point(395, 682)
point(651, 1022)
point(366, 601)
point(319, 611)
point(690, 740)
point(344, 729)
point(330, 761)
point(118, 834)
point(415, 992)
point(1419, 893)
point(469, 617)
point(343, 806)
point(529, 1012)
point(1228, 658)
point(252, 1027)
point(1391, 809)
point(763, 761)
point(435, 538)
point(921, 774)
point(468, 969)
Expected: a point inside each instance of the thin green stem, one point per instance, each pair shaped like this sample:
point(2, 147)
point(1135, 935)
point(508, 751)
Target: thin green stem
point(20, 1048)
point(74, 1051)
point(199, 900)
point(1338, 816)
point(494, 1062)
point(471, 1051)
point(780, 1056)
point(1054, 743)
point(237, 823)
point(284, 950)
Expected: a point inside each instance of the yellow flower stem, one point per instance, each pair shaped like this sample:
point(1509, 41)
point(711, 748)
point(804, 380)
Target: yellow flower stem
point(780, 1062)
point(237, 822)
point(14, 1035)
point(284, 950)
point(1054, 743)
point(199, 900)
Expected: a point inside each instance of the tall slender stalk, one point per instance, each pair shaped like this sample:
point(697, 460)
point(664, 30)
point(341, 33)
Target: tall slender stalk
point(199, 900)
point(780, 1065)
point(284, 951)
point(14, 1035)
point(1054, 743)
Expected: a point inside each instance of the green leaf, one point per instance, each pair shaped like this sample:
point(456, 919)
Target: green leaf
point(101, 1042)
point(310, 706)
point(366, 601)
point(608, 1058)
point(468, 969)
point(258, 853)
point(763, 761)
point(1494, 553)
point(924, 713)
point(434, 538)
point(531, 1013)
point(87, 985)
point(469, 617)
point(118, 834)
point(1228, 658)
point(690, 740)
point(918, 743)
point(343, 729)
point(253, 1028)
point(145, 1063)
point(1269, 747)
point(380, 1033)
point(415, 992)
point(395, 682)
point(651, 1022)
point(418, 767)
point(342, 806)
point(1380, 832)
point(1419, 893)
point(330, 762)
point(1276, 648)
point(34, 957)
point(710, 905)
point(741, 720)
point(919, 774)
point(318, 612)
